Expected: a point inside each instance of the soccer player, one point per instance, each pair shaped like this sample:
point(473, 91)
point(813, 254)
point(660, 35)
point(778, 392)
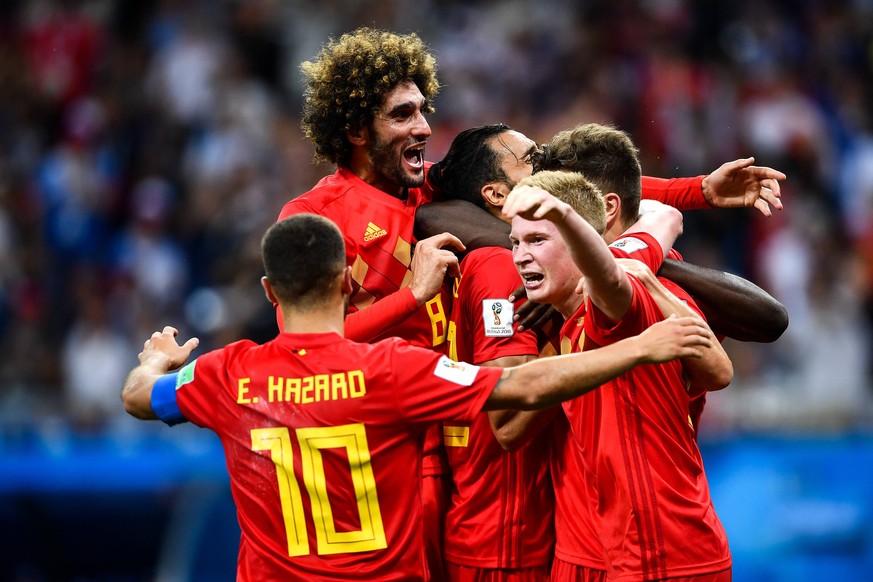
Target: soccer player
point(608, 158)
point(642, 476)
point(499, 520)
point(364, 110)
point(318, 429)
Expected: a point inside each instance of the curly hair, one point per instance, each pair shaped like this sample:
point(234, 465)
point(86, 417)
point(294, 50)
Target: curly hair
point(348, 79)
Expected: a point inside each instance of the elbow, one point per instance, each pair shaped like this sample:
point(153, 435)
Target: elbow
point(508, 440)
point(721, 377)
point(724, 378)
point(778, 323)
point(677, 220)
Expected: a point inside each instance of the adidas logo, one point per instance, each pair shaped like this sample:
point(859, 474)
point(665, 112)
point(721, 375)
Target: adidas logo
point(373, 232)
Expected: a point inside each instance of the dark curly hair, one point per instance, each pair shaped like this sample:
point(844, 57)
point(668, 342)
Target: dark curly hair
point(346, 82)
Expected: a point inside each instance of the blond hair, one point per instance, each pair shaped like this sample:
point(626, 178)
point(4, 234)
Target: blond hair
point(575, 190)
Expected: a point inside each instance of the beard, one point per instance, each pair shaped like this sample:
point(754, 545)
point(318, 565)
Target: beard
point(388, 162)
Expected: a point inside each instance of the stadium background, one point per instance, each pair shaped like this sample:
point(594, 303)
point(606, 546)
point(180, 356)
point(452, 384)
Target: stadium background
point(146, 145)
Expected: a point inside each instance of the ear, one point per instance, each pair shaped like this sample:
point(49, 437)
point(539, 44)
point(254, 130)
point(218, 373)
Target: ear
point(268, 291)
point(358, 136)
point(613, 208)
point(495, 193)
point(347, 285)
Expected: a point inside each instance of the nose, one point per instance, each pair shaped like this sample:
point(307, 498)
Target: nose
point(520, 256)
point(420, 126)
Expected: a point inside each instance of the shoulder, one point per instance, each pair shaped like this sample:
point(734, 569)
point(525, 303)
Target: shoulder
point(322, 198)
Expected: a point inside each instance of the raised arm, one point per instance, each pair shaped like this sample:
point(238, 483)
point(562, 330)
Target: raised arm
point(605, 282)
point(733, 306)
point(734, 184)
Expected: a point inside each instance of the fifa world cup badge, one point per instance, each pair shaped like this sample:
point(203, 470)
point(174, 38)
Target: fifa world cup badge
point(497, 317)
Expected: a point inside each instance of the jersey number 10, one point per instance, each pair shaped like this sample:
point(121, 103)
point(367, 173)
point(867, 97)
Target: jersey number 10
point(353, 438)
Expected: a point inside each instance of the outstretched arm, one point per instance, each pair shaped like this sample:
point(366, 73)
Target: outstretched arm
point(739, 184)
point(546, 382)
point(733, 306)
point(734, 184)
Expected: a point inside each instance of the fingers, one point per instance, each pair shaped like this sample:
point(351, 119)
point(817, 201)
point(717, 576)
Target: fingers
point(765, 173)
point(453, 267)
point(442, 240)
point(736, 165)
point(517, 294)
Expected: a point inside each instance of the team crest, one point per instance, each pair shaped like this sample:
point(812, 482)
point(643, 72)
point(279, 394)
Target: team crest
point(497, 317)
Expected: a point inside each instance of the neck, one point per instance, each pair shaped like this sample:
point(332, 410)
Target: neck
point(361, 167)
point(569, 307)
point(322, 319)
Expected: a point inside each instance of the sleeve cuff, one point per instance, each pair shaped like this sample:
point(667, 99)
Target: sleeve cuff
point(164, 403)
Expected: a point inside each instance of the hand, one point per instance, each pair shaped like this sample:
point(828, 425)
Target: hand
point(638, 269)
point(675, 337)
point(534, 203)
point(530, 315)
point(163, 353)
point(739, 184)
point(431, 262)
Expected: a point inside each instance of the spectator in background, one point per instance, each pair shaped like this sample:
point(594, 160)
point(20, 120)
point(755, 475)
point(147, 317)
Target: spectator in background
point(643, 66)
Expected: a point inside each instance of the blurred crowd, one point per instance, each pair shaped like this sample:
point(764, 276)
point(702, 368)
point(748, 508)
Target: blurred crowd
point(146, 146)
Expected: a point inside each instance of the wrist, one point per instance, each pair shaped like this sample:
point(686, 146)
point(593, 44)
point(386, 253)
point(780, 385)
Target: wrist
point(706, 190)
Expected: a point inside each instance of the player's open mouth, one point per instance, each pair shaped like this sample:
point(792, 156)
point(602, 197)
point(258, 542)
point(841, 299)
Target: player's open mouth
point(414, 156)
point(531, 278)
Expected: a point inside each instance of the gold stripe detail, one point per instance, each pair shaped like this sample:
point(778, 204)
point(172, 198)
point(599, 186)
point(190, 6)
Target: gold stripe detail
point(456, 436)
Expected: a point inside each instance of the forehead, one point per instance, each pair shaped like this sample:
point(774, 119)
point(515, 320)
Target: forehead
point(523, 228)
point(517, 143)
point(404, 93)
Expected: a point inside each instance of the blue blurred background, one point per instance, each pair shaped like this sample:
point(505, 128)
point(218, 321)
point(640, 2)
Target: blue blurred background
point(146, 145)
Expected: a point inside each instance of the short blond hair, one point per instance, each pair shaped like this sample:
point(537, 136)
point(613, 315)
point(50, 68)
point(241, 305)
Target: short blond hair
point(575, 190)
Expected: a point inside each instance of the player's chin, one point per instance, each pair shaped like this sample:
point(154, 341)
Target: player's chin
point(414, 178)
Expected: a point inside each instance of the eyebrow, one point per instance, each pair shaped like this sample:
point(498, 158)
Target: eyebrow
point(529, 151)
point(406, 105)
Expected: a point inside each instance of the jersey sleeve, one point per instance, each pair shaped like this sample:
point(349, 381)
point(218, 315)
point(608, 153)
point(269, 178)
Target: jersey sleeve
point(489, 280)
point(433, 387)
point(366, 325)
point(642, 312)
point(640, 246)
point(681, 193)
point(163, 400)
point(201, 384)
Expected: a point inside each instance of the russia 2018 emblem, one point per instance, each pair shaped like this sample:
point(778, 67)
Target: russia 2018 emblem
point(497, 317)
point(497, 309)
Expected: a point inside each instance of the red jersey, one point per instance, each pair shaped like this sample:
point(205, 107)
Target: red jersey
point(320, 435)
point(681, 193)
point(378, 233)
point(576, 538)
point(500, 513)
point(654, 510)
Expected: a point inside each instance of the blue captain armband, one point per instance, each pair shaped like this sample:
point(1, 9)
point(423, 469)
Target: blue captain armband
point(164, 400)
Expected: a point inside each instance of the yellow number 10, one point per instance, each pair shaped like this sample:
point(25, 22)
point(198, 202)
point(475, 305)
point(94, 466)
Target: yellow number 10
point(351, 437)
